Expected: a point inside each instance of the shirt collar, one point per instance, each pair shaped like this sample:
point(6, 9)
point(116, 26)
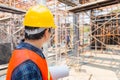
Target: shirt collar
point(30, 47)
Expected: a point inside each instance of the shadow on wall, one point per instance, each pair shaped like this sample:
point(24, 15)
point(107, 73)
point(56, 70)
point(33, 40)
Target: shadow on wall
point(5, 53)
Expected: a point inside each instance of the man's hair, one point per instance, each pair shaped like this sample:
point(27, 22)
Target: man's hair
point(33, 36)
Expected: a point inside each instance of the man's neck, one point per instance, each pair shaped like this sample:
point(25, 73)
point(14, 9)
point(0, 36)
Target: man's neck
point(35, 43)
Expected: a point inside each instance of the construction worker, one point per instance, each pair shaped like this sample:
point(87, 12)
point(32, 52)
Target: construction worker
point(27, 61)
point(68, 41)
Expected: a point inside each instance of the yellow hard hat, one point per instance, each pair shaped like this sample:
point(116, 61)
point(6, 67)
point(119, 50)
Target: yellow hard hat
point(39, 16)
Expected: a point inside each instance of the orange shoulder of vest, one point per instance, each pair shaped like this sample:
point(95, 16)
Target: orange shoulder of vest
point(19, 56)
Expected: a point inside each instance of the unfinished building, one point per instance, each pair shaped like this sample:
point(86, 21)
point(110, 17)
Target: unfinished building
point(93, 26)
point(104, 22)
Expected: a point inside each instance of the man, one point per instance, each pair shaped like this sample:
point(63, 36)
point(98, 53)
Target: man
point(68, 41)
point(27, 61)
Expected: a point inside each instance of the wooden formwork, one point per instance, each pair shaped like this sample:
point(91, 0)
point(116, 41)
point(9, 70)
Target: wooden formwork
point(106, 29)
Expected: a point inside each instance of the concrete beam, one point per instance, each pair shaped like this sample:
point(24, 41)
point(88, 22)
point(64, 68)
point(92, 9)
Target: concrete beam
point(8, 9)
point(93, 5)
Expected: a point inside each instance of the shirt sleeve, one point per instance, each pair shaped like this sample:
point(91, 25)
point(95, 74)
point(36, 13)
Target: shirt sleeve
point(27, 71)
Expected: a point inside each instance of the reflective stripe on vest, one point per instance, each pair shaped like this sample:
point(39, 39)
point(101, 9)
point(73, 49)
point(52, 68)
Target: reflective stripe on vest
point(20, 56)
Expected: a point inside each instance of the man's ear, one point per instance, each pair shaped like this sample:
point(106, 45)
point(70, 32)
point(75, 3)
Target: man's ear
point(46, 33)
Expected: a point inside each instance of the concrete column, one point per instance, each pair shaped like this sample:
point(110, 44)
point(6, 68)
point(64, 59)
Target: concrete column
point(76, 34)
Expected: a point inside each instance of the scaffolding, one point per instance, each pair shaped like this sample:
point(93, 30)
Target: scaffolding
point(11, 31)
point(95, 29)
point(20, 4)
point(103, 21)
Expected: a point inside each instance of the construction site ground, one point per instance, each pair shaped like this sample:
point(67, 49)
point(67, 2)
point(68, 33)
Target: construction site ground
point(94, 65)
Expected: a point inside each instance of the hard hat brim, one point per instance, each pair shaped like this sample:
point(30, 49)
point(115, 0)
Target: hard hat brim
point(54, 26)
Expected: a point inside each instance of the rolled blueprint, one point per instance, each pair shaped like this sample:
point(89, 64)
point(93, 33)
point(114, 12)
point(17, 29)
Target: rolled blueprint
point(59, 72)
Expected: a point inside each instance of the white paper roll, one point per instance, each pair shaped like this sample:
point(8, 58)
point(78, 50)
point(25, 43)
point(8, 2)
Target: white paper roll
point(59, 71)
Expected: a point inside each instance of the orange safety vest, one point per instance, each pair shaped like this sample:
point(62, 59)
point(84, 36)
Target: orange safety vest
point(20, 56)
